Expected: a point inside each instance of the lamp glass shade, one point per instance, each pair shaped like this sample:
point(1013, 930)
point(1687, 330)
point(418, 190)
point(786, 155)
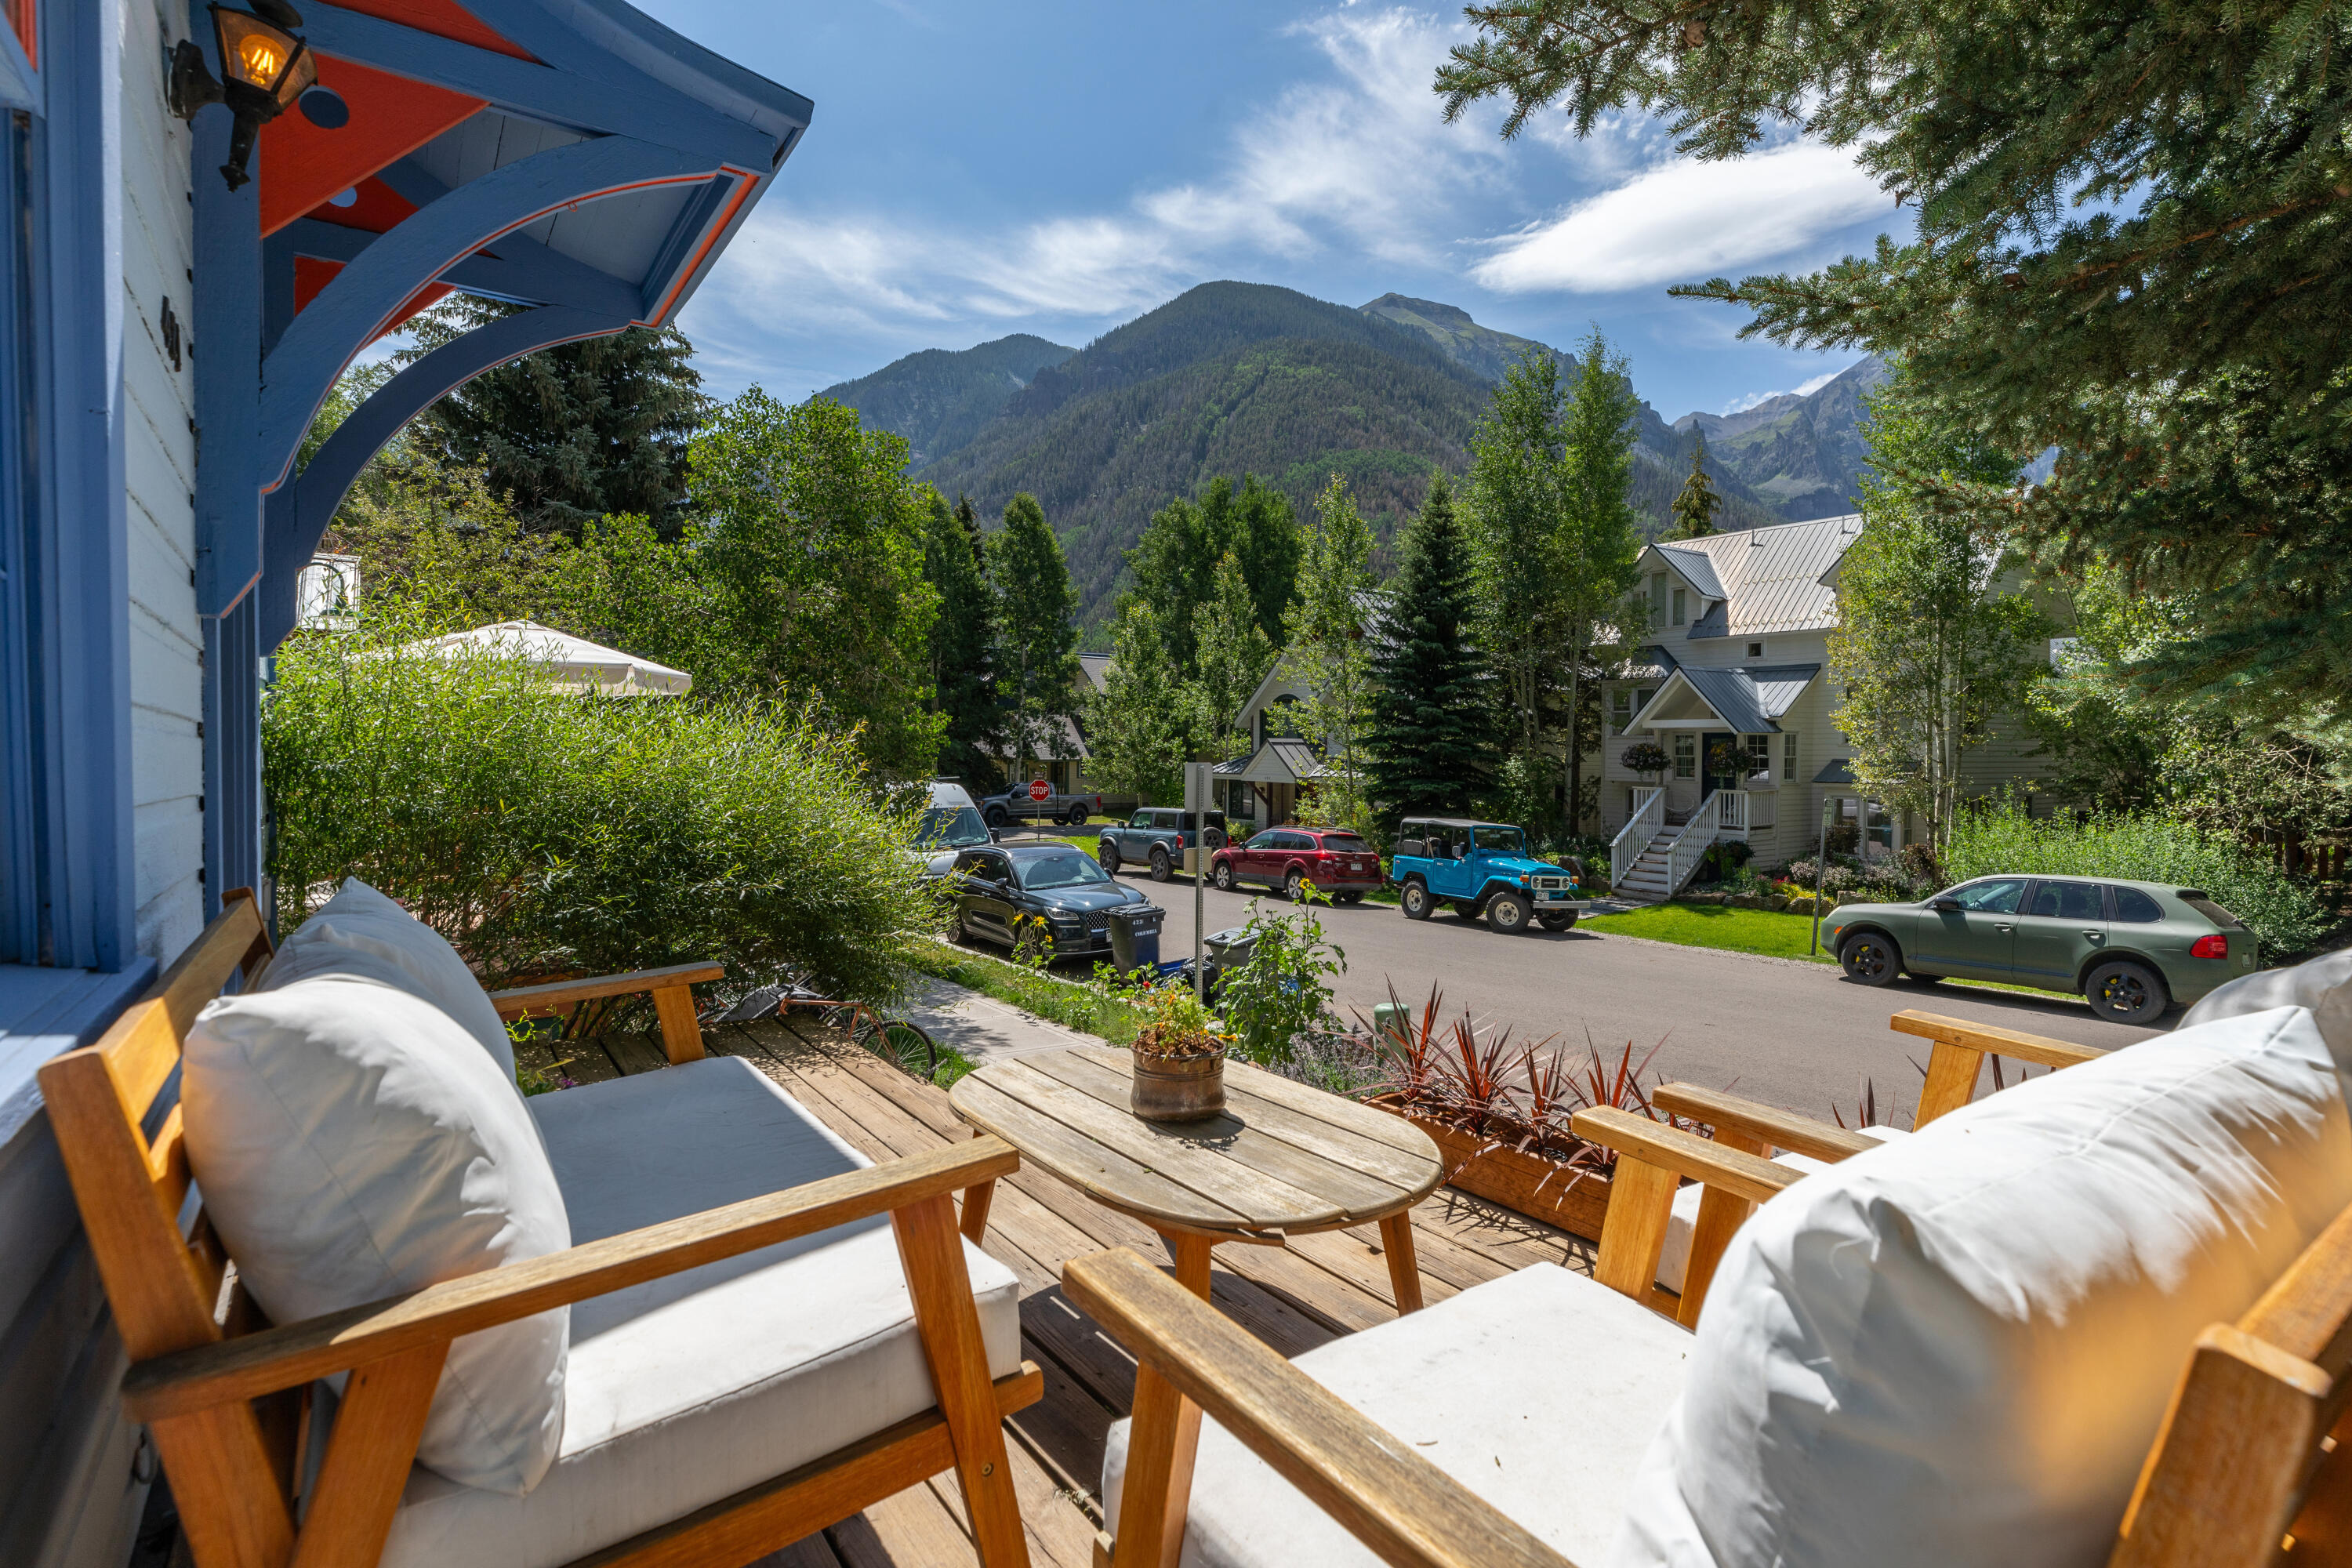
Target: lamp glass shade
point(264, 58)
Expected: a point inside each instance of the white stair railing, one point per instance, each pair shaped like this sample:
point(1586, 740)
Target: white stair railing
point(1696, 840)
point(1648, 820)
point(1733, 813)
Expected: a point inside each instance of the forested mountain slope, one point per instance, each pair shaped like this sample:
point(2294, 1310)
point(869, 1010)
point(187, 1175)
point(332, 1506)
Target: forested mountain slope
point(1233, 378)
point(938, 399)
point(1801, 455)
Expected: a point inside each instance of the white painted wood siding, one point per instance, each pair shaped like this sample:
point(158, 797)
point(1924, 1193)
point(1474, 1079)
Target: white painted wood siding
point(159, 462)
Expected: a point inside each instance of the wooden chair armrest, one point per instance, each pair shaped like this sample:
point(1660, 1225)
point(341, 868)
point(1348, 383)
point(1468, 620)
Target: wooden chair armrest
point(524, 999)
point(1380, 1491)
point(672, 990)
point(254, 1365)
point(1959, 1053)
point(1746, 1121)
point(1655, 1143)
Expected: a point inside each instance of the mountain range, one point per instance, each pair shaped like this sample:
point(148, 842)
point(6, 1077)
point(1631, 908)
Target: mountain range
point(1229, 378)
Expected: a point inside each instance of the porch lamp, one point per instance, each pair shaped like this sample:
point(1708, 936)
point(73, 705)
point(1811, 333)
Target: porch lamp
point(267, 68)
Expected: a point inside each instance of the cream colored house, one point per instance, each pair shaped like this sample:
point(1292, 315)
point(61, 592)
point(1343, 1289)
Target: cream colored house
point(1734, 686)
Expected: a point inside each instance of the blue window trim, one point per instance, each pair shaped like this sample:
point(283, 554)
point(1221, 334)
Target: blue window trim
point(65, 742)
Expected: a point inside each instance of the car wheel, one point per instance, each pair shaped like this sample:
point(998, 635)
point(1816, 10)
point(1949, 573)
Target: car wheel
point(1558, 922)
point(1871, 958)
point(1222, 876)
point(1107, 853)
point(1509, 912)
point(1415, 900)
point(957, 929)
point(1160, 867)
point(2123, 992)
point(1294, 885)
point(994, 816)
point(1075, 817)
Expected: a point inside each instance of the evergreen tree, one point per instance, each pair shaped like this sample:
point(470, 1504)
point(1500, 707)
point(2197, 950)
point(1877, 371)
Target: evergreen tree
point(1327, 649)
point(1695, 508)
point(1235, 654)
point(2128, 246)
point(1147, 718)
point(1430, 742)
point(1037, 616)
point(573, 432)
point(1176, 559)
point(963, 643)
point(1556, 545)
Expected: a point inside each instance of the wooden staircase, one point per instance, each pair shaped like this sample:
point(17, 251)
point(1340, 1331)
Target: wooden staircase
point(1646, 882)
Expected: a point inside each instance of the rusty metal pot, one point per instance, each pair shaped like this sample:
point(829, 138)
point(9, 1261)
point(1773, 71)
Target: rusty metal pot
point(1178, 1088)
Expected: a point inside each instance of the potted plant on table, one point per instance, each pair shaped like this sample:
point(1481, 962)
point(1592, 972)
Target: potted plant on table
point(1180, 1057)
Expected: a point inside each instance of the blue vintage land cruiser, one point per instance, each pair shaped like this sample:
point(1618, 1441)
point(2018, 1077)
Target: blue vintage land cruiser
point(1482, 869)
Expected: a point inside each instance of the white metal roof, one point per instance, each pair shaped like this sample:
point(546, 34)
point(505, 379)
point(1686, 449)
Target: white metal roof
point(572, 663)
point(1771, 578)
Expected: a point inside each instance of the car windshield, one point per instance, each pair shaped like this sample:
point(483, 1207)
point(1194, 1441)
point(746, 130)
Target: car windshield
point(950, 827)
point(2208, 909)
point(1073, 869)
point(1497, 840)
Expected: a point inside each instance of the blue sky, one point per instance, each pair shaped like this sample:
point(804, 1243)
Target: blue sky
point(1060, 166)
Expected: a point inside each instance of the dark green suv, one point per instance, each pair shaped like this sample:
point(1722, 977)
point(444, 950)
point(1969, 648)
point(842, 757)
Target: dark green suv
point(2133, 949)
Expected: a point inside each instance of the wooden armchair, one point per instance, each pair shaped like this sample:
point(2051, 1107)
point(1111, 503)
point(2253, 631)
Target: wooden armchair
point(2248, 1470)
point(1191, 1359)
point(224, 1392)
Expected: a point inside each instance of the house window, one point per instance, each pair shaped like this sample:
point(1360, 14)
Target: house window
point(1621, 709)
point(1756, 650)
point(1759, 756)
point(1657, 596)
point(1788, 755)
point(1685, 756)
point(1682, 613)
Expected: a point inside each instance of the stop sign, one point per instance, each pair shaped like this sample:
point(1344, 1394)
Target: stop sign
point(1039, 789)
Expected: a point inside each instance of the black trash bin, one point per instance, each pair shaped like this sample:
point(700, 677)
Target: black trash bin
point(1135, 936)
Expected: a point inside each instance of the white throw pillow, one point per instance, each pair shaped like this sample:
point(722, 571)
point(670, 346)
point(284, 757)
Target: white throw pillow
point(359, 919)
point(351, 1143)
point(1957, 1348)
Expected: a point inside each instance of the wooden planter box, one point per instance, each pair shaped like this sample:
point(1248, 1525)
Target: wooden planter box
point(1525, 1183)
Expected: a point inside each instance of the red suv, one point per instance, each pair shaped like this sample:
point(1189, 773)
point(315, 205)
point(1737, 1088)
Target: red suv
point(1334, 860)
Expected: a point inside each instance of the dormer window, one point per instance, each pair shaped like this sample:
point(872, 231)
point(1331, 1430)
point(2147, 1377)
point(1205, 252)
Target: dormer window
point(1682, 607)
point(1756, 650)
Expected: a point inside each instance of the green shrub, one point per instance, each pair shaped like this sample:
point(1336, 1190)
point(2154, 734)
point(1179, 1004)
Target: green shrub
point(2282, 914)
point(1282, 992)
point(548, 833)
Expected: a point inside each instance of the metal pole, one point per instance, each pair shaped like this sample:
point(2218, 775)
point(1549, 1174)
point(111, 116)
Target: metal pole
point(1821, 873)
point(1196, 798)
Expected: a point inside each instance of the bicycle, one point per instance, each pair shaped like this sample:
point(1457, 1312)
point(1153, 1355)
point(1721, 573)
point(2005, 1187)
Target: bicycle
point(903, 1045)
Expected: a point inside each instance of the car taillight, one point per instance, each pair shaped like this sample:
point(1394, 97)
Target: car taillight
point(2214, 946)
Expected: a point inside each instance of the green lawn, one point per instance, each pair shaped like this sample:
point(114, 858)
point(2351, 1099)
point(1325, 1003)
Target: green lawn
point(1712, 925)
point(1063, 1002)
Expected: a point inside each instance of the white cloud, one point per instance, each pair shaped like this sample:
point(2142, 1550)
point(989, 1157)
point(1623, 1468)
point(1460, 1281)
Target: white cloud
point(1688, 220)
point(1803, 389)
point(1355, 158)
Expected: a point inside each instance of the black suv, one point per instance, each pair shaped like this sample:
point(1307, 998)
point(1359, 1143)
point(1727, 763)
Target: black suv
point(996, 885)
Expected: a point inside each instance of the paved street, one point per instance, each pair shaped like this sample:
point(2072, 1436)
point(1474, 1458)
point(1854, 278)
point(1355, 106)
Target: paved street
point(1789, 1033)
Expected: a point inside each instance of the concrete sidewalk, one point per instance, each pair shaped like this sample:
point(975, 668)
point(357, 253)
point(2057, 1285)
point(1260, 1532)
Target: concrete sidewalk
point(984, 1029)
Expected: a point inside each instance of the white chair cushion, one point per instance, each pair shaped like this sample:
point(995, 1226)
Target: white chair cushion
point(1674, 1259)
point(351, 1143)
point(1957, 1348)
point(1537, 1391)
point(683, 1391)
point(2323, 984)
point(360, 921)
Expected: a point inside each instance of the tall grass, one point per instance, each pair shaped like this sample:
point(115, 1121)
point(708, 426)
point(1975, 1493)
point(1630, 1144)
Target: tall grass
point(2282, 914)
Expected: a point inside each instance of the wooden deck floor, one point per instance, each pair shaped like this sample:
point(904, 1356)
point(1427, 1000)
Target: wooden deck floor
point(1293, 1298)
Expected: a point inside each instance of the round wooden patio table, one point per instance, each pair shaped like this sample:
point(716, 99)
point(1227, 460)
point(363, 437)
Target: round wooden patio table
point(1280, 1159)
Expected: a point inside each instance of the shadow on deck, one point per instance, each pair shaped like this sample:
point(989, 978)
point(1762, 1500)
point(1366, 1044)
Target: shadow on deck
point(1293, 1298)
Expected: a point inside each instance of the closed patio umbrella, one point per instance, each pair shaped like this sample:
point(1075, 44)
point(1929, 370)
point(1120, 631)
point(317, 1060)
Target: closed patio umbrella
point(571, 664)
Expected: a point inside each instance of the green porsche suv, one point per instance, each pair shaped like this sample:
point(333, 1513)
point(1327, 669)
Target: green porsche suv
point(2133, 949)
